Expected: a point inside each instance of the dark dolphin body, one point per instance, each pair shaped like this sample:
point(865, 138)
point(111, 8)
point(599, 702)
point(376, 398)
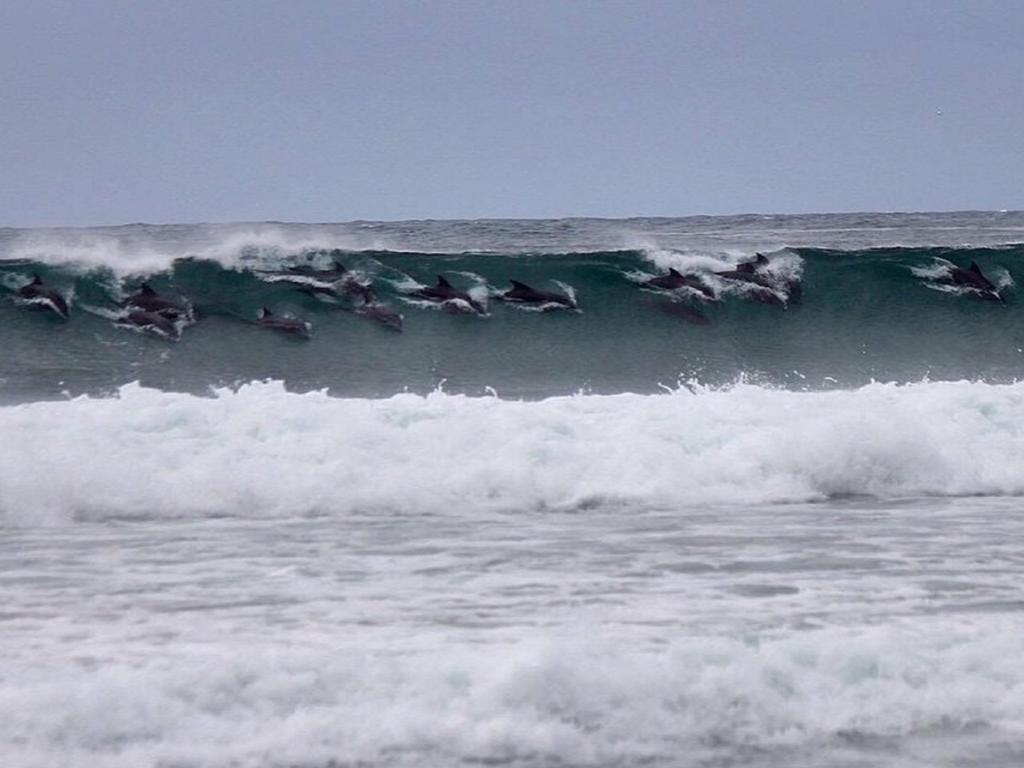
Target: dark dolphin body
point(316, 290)
point(675, 280)
point(286, 325)
point(379, 312)
point(751, 272)
point(44, 298)
point(974, 278)
point(350, 286)
point(149, 300)
point(155, 322)
point(524, 294)
point(747, 271)
point(338, 272)
point(445, 292)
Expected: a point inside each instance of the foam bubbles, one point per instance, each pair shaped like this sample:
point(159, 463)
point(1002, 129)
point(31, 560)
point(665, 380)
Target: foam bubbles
point(578, 701)
point(261, 451)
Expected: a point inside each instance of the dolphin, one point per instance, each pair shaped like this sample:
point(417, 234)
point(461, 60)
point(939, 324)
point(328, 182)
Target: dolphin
point(975, 279)
point(326, 280)
point(147, 320)
point(524, 294)
point(758, 262)
point(43, 297)
point(445, 292)
point(350, 288)
point(285, 325)
point(748, 270)
point(379, 312)
point(751, 271)
point(338, 272)
point(675, 280)
point(317, 290)
point(149, 300)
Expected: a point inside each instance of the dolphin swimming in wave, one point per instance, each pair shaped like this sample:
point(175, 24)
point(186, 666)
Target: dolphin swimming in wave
point(974, 279)
point(445, 293)
point(675, 280)
point(42, 297)
point(379, 312)
point(149, 300)
point(333, 283)
point(155, 322)
point(754, 272)
point(524, 294)
point(286, 325)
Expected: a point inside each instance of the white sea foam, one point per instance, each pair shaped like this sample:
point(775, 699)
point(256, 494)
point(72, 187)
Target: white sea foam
point(261, 451)
point(255, 246)
point(574, 700)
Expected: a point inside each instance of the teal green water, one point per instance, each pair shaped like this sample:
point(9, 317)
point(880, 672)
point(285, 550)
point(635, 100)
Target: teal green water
point(864, 314)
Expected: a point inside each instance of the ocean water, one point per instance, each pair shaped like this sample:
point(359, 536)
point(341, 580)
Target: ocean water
point(779, 527)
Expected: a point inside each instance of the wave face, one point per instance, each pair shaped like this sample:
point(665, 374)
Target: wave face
point(265, 452)
point(872, 305)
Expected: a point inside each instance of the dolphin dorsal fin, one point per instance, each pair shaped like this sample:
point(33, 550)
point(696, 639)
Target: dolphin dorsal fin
point(760, 259)
point(36, 279)
point(340, 267)
point(147, 290)
point(975, 268)
point(520, 286)
point(674, 272)
point(265, 313)
point(442, 283)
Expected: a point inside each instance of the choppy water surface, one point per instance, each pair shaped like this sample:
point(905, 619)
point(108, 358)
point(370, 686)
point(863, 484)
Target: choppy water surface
point(849, 633)
point(787, 535)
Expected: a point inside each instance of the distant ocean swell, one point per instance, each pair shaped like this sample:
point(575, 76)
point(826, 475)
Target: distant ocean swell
point(261, 451)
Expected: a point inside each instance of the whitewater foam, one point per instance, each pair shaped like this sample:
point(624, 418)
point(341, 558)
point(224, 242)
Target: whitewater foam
point(262, 451)
point(577, 701)
point(257, 246)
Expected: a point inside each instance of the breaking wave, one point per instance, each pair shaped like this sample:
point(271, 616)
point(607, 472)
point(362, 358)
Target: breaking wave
point(263, 451)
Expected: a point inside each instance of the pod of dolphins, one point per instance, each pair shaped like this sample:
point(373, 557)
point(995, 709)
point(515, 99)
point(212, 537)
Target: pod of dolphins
point(147, 310)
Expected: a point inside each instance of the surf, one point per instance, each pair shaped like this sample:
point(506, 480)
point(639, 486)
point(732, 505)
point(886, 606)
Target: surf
point(261, 451)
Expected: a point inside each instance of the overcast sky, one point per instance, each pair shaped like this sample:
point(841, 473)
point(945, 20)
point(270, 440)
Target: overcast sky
point(116, 112)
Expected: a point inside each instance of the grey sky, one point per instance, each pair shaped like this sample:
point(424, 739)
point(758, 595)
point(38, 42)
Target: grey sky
point(327, 111)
